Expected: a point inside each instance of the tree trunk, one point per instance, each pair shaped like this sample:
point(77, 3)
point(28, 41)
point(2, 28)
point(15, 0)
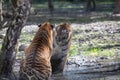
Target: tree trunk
point(117, 8)
point(91, 5)
point(7, 54)
point(94, 5)
point(51, 6)
point(1, 17)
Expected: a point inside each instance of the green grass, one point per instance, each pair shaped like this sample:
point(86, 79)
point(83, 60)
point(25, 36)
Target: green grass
point(100, 52)
point(92, 45)
point(108, 53)
point(73, 50)
point(26, 38)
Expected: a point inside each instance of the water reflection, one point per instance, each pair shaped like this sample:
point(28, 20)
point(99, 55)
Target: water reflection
point(60, 76)
point(87, 76)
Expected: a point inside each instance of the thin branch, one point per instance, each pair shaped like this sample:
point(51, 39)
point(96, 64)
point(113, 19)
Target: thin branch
point(1, 17)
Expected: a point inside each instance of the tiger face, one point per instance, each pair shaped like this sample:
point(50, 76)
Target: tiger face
point(63, 33)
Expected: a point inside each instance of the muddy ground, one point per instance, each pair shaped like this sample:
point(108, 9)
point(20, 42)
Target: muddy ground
point(88, 64)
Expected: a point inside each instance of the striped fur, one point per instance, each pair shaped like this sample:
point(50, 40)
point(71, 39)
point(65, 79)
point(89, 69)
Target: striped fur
point(36, 65)
point(61, 46)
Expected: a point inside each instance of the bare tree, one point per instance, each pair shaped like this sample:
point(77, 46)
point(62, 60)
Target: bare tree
point(21, 10)
point(91, 5)
point(51, 6)
point(117, 8)
point(1, 17)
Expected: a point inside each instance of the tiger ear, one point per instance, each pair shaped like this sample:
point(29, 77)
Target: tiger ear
point(52, 26)
point(39, 25)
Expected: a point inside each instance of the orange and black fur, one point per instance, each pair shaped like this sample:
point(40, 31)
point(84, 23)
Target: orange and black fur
point(61, 46)
point(36, 65)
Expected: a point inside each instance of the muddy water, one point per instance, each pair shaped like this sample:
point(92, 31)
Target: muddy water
point(73, 72)
point(89, 76)
point(87, 69)
point(99, 69)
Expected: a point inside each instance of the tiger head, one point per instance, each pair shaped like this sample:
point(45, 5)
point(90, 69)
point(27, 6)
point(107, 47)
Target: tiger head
point(43, 37)
point(63, 33)
point(46, 31)
point(45, 28)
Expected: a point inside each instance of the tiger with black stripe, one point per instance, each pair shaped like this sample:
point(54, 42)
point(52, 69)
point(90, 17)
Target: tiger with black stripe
point(36, 65)
point(61, 46)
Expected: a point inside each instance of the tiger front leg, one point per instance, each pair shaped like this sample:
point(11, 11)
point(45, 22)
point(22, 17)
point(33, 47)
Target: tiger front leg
point(58, 64)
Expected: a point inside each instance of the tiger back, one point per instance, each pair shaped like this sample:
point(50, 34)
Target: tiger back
point(36, 65)
point(61, 46)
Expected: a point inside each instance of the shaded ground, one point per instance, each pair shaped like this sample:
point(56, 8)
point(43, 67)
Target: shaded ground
point(72, 12)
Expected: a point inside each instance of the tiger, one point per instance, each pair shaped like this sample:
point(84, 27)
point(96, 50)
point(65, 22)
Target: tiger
point(61, 46)
point(36, 65)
